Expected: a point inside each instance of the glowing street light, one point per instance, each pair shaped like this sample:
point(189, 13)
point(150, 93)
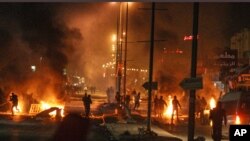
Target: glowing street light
point(114, 38)
point(33, 68)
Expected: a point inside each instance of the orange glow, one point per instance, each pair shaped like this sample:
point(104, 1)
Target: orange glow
point(45, 106)
point(237, 120)
point(212, 103)
point(113, 38)
point(19, 107)
point(169, 110)
point(112, 3)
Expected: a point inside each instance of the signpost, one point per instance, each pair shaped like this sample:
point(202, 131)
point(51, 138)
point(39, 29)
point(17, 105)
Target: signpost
point(154, 85)
point(192, 83)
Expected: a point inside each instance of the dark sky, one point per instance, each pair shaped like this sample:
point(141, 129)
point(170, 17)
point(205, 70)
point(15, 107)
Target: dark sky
point(77, 35)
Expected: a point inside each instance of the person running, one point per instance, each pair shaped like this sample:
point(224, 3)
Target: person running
point(14, 100)
point(176, 104)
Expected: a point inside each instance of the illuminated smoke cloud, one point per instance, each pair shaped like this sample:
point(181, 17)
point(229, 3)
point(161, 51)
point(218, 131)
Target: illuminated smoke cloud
point(34, 34)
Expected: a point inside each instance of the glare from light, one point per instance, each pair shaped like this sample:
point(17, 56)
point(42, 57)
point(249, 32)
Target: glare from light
point(113, 38)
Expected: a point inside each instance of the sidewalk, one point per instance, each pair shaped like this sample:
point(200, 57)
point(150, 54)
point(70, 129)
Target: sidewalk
point(130, 132)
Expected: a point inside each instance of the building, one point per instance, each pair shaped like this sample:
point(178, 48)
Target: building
point(241, 42)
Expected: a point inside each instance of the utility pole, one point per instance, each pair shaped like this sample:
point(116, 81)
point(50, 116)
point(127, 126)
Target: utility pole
point(151, 59)
point(119, 49)
point(125, 53)
point(191, 117)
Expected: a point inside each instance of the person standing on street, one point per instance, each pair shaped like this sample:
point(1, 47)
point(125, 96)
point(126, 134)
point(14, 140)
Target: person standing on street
point(176, 104)
point(84, 100)
point(137, 101)
point(217, 115)
point(118, 98)
point(156, 106)
point(161, 107)
point(88, 102)
point(108, 95)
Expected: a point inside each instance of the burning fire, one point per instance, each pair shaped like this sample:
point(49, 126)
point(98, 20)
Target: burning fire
point(19, 108)
point(212, 103)
point(169, 110)
point(45, 106)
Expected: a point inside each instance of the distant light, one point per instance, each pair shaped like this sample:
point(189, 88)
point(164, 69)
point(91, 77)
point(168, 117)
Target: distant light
point(33, 68)
point(190, 37)
point(124, 33)
point(114, 37)
point(64, 71)
point(113, 48)
point(113, 3)
point(130, 3)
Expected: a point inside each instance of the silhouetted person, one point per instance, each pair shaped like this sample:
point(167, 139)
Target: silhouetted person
point(118, 98)
point(72, 128)
point(161, 104)
point(203, 107)
point(108, 95)
point(197, 106)
point(137, 100)
point(156, 106)
point(14, 100)
point(127, 100)
point(175, 104)
point(112, 94)
point(87, 102)
point(217, 115)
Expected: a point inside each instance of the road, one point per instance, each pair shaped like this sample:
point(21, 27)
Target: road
point(23, 128)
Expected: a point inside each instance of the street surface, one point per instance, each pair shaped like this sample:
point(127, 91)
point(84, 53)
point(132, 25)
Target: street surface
point(106, 124)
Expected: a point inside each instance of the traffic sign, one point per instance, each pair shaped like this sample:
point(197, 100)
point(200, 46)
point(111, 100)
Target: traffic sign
point(192, 83)
point(154, 85)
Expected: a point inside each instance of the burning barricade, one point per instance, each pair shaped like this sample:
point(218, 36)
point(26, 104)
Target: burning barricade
point(46, 110)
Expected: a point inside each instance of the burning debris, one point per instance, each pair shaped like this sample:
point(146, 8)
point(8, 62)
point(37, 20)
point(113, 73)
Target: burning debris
point(169, 110)
point(40, 45)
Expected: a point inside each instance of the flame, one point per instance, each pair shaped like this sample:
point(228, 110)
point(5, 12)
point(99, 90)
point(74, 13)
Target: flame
point(237, 121)
point(19, 108)
point(169, 110)
point(212, 103)
point(45, 106)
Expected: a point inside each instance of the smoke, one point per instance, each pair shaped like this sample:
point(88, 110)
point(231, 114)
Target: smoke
point(78, 37)
point(34, 35)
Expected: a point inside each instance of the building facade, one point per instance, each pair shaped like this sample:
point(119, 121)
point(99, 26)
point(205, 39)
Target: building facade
point(241, 42)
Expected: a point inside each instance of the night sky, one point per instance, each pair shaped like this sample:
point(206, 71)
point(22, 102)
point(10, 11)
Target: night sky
point(77, 36)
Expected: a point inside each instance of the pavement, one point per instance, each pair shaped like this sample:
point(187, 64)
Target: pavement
point(130, 131)
point(123, 128)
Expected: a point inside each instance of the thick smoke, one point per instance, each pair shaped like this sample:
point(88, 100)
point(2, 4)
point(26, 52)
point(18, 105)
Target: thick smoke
point(50, 36)
point(34, 35)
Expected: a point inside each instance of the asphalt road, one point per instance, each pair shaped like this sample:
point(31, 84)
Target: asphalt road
point(24, 128)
